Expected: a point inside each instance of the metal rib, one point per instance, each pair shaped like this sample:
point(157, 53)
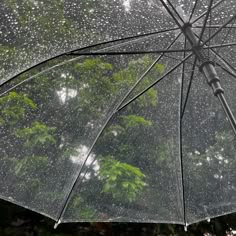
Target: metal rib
point(219, 30)
point(170, 13)
point(228, 66)
point(204, 13)
point(220, 45)
point(154, 83)
point(189, 88)
point(205, 20)
point(128, 53)
point(181, 138)
point(87, 47)
point(194, 7)
point(213, 26)
point(176, 12)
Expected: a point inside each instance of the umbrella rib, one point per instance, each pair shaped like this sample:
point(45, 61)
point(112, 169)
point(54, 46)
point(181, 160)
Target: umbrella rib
point(220, 45)
point(53, 67)
point(69, 194)
point(183, 75)
point(205, 20)
point(204, 13)
point(189, 88)
point(194, 7)
point(147, 71)
point(154, 83)
point(176, 12)
point(128, 52)
point(178, 59)
point(67, 53)
point(33, 77)
point(220, 29)
point(180, 135)
point(223, 60)
point(213, 26)
point(30, 78)
point(171, 14)
point(226, 70)
point(105, 125)
point(226, 35)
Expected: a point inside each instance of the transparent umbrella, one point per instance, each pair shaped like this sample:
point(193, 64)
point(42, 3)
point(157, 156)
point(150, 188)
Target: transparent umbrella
point(119, 111)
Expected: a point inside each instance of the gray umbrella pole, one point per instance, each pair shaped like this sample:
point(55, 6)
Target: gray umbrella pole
point(213, 80)
point(208, 69)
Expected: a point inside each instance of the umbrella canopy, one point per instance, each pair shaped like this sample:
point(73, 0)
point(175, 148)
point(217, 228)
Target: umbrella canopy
point(108, 110)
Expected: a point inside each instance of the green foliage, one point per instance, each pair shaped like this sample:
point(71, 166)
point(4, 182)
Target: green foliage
point(84, 211)
point(7, 55)
point(121, 180)
point(134, 121)
point(34, 164)
point(95, 80)
point(14, 107)
point(89, 65)
point(36, 135)
point(50, 24)
point(128, 77)
point(161, 68)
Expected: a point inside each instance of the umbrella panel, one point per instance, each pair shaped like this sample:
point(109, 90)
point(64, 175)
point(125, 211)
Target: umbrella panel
point(208, 153)
point(133, 172)
point(50, 120)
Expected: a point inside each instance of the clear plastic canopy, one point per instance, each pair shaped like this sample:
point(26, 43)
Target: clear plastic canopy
point(105, 115)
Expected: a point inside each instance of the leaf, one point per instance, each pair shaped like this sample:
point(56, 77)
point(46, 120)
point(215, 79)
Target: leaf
point(123, 181)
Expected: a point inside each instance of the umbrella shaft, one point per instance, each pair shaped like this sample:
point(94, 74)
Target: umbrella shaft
point(213, 80)
point(208, 69)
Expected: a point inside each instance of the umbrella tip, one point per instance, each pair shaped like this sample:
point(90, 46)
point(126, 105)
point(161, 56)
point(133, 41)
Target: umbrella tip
point(186, 228)
point(56, 224)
